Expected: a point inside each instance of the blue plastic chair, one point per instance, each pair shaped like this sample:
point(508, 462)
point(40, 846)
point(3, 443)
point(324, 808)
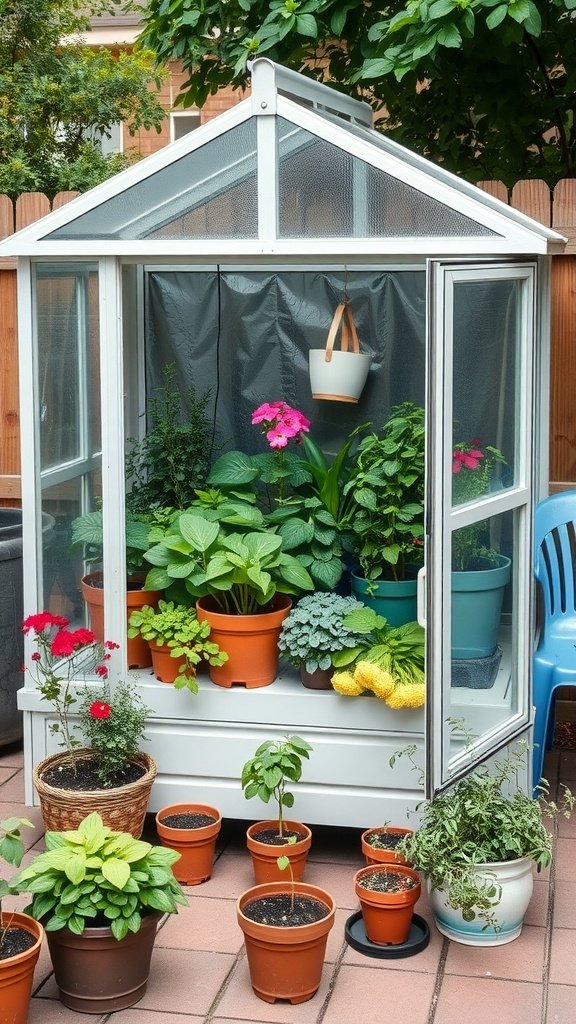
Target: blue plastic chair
point(555, 656)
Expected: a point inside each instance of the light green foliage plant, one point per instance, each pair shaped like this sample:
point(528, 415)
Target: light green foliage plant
point(275, 763)
point(485, 818)
point(398, 650)
point(113, 724)
point(176, 626)
point(172, 459)
point(93, 876)
point(482, 87)
point(387, 489)
point(241, 570)
point(11, 851)
point(59, 96)
point(315, 630)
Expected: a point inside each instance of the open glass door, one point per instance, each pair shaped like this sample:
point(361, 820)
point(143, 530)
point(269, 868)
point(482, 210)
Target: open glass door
point(480, 436)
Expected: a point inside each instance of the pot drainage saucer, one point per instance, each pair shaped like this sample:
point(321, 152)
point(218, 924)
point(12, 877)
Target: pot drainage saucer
point(418, 939)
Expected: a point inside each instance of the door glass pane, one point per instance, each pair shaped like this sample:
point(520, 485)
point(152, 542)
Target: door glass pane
point(485, 374)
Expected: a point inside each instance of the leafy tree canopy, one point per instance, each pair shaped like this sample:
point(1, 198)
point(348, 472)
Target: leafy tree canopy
point(57, 95)
point(486, 87)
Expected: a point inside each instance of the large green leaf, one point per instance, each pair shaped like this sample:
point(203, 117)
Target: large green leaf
point(233, 468)
point(116, 871)
point(294, 533)
point(261, 545)
point(294, 573)
point(199, 532)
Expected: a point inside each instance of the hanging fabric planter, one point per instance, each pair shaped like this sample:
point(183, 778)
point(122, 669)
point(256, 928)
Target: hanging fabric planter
point(339, 376)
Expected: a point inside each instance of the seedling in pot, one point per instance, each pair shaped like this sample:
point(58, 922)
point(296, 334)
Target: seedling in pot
point(12, 851)
point(283, 862)
point(274, 764)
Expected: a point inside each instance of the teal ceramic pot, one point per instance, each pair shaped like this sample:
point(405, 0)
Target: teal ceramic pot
point(395, 600)
point(476, 610)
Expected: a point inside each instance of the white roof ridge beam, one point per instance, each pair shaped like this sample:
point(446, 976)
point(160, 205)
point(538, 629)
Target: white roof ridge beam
point(296, 84)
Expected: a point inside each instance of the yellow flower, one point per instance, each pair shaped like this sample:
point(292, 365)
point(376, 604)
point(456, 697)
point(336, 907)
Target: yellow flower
point(371, 677)
point(408, 695)
point(344, 682)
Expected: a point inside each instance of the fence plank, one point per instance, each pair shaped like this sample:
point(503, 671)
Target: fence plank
point(30, 206)
point(9, 416)
point(495, 188)
point(564, 211)
point(533, 198)
point(61, 198)
point(563, 371)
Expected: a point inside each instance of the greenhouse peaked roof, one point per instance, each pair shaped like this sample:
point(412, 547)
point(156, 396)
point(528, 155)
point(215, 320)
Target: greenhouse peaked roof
point(295, 169)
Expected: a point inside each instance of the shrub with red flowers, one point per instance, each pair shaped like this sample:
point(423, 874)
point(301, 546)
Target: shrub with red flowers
point(113, 725)
point(473, 466)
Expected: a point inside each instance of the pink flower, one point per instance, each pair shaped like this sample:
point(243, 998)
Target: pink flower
point(99, 709)
point(294, 421)
point(43, 620)
point(277, 437)
point(36, 656)
point(111, 646)
point(468, 459)
point(267, 412)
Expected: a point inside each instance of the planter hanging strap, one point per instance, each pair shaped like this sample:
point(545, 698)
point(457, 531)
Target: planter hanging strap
point(342, 315)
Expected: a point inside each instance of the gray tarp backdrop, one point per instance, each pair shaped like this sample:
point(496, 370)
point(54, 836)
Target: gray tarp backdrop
point(246, 334)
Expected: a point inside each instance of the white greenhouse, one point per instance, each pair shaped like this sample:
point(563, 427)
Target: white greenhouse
point(226, 254)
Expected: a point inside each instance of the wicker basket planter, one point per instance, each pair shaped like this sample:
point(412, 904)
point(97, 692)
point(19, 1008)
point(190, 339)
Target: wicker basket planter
point(122, 809)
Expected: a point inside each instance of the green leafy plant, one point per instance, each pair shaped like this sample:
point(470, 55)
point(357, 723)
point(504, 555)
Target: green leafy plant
point(113, 726)
point(473, 471)
point(387, 489)
point(284, 862)
point(87, 533)
point(172, 459)
point(485, 818)
point(242, 571)
point(331, 477)
point(275, 763)
point(176, 626)
point(93, 877)
point(315, 630)
point(11, 851)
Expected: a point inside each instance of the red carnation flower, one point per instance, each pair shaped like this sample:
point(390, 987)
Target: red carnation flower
point(36, 656)
point(64, 643)
point(43, 620)
point(84, 636)
point(99, 709)
point(111, 646)
point(101, 670)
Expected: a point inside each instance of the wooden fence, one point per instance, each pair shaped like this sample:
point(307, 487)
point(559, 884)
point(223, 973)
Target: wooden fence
point(555, 209)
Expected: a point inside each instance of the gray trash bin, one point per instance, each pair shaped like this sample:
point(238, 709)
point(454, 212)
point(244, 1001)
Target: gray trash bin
point(11, 615)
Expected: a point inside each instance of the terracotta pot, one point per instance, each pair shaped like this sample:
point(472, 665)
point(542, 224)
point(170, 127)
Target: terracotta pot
point(250, 641)
point(97, 974)
point(376, 855)
point(264, 855)
point(321, 679)
point(122, 808)
point(164, 666)
point(285, 963)
point(387, 916)
point(17, 972)
point(195, 845)
point(139, 655)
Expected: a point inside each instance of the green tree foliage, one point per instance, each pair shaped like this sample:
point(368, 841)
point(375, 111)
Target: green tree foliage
point(486, 87)
point(56, 94)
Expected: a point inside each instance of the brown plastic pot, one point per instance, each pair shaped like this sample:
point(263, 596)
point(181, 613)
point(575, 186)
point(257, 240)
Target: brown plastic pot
point(321, 679)
point(138, 651)
point(387, 916)
point(250, 641)
point(195, 845)
point(285, 963)
point(17, 972)
point(265, 855)
point(97, 974)
point(376, 855)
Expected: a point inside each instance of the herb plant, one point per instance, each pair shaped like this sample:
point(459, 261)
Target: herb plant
point(12, 851)
point(479, 822)
point(275, 763)
point(172, 460)
point(176, 626)
point(315, 630)
point(113, 725)
point(94, 877)
point(387, 488)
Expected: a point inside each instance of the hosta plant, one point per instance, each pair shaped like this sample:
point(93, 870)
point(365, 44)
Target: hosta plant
point(275, 763)
point(93, 877)
point(176, 626)
point(315, 630)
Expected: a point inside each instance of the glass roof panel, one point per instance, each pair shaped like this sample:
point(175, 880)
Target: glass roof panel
point(209, 193)
point(326, 192)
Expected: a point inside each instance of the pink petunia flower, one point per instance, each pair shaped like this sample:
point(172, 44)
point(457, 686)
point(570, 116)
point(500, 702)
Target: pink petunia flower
point(277, 437)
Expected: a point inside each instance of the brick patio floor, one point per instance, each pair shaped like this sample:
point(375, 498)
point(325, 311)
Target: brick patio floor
point(199, 972)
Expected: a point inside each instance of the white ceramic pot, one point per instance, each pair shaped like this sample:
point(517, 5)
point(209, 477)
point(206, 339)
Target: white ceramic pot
point(516, 882)
point(341, 379)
